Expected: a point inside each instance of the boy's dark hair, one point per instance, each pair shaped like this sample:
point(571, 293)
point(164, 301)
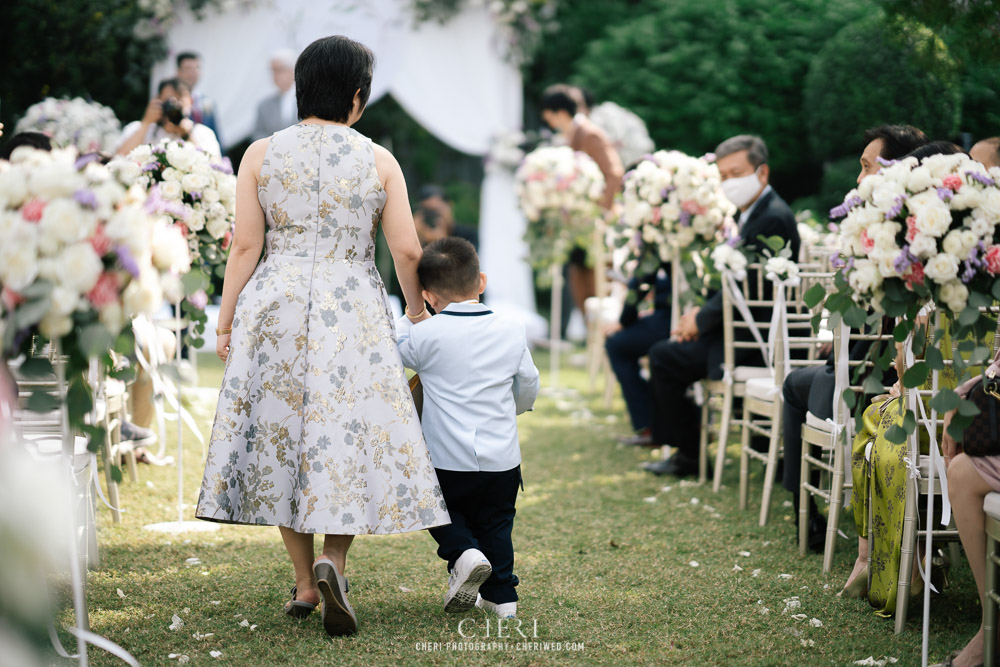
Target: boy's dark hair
point(897, 140)
point(449, 266)
point(186, 55)
point(33, 139)
point(327, 74)
point(935, 148)
point(560, 97)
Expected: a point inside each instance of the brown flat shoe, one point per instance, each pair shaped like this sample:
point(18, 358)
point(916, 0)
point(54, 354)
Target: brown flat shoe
point(338, 616)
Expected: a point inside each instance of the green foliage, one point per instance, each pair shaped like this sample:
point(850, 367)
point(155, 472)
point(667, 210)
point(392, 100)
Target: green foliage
point(972, 27)
point(698, 72)
point(84, 48)
point(879, 70)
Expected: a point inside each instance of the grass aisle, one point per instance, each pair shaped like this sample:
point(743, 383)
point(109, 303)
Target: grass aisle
point(604, 553)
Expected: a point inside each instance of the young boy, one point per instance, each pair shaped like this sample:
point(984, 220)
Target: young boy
point(477, 375)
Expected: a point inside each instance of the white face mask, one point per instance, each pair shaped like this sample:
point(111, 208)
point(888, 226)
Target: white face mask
point(742, 190)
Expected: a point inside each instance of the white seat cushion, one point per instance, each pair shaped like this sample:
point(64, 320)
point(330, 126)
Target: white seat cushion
point(762, 388)
point(49, 444)
point(991, 505)
point(744, 373)
point(815, 422)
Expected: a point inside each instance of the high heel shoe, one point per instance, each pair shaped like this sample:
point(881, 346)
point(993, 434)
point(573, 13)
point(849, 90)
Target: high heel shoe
point(856, 587)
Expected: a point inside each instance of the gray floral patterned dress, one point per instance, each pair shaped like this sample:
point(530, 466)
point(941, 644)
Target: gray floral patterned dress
point(315, 428)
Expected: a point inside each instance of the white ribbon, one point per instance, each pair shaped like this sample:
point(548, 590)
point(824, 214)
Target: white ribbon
point(779, 321)
point(95, 480)
point(741, 305)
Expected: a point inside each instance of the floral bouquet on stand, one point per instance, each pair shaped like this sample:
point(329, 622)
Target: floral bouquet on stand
point(918, 234)
point(87, 126)
point(559, 192)
point(627, 132)
point(196, 194)
point(80, 258)
point(673, 210)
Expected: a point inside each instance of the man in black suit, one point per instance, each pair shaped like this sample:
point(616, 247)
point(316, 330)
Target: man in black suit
point(695, 350)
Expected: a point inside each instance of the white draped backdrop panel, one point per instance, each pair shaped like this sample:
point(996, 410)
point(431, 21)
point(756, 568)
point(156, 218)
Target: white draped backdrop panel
point(453, 79)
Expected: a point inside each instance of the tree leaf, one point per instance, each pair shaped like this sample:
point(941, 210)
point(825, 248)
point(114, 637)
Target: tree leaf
point(896, 434)
point(31, 313)
point(967, 408)
point(934, 360)
point(944, 400)
point(855, 316)
point(916, 375)
point(872, 385)
point(814, 295)
point(909, 422)
point(42, 401)
point(968, 316)
point(95, 339)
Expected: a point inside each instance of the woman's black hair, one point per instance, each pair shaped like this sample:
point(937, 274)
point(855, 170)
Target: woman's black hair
point(33, 139)
point(935, 148)
point(327, 74)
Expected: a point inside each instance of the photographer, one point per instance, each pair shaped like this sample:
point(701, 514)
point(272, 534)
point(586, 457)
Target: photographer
point(168, 116)
point(434, 218)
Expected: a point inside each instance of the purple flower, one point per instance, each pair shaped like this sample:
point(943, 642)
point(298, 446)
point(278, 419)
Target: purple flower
point(666, 191)
point(85, 198)
point(886, 163)
point(152, 166)
point(199, 299)
point(733, 241)
point(969, 273)
point(836, 261)
point(903, 262)
point(226, 167)
point(895, 210)
point(980, 178)
point(127, 260)
point(195, 195)
point(944, 194)
point(685, 219)
point(84, 160)
point(845, 208)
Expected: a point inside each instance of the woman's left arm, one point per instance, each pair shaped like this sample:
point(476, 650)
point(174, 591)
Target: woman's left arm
point(248, 240)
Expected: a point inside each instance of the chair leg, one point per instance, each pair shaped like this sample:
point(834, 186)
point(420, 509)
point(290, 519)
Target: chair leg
point(724, 425)
point(609, 382)
point(836, 503)
point(744, 457)
point(703, 440)
point(772, 462)
point(990, 608)
point(906, 552)
point(803, 517)
point(112, 485)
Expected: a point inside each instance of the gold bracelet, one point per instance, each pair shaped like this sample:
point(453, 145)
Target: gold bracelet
point(406, 309)
point(222, 332)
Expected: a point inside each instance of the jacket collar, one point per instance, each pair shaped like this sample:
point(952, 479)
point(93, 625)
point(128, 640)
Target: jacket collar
point(466, 309)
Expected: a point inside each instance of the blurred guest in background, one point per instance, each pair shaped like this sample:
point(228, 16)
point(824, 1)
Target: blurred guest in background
point(987, 152)
point(435, 218)
point(32, 139)
point(168, 116)
point(279, 110)
point(202, 106)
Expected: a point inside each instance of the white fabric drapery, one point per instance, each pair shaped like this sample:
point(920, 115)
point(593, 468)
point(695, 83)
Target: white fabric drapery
point(453, 79)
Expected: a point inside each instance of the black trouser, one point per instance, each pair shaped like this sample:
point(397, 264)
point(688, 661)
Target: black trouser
point(675, 366)
point(625, 348)
point(808, 389)
point(481, 505)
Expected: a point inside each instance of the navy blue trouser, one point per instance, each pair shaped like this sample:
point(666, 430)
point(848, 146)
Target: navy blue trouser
point(625, 349)
point(481, 505)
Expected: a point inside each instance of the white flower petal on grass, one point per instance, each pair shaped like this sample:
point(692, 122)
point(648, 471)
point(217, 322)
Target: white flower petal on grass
point(786, 577)
point(405, 589)
point(807, 643)
point(685, 483)
point(815, 622)
point(201, 637)
point(695, 501)
point(745, 554)
point(244, 623)
point(215, 654)
point(176, 622)
point(205, 573)
point(649, 499)
point(180, 658)
point(693, 563)
point(800, 617)
point(755, 573)
point(186, 610)
point(765, 611)
point(666, 489)
point(253, 627)
point(787, 503)
point(150, 484)
point(121, 594)
point(215, 602)
point(193, 561)
point(737, 568)
point(766, 543)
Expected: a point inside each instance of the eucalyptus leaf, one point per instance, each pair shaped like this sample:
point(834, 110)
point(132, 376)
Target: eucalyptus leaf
point(872, 385)
point(944, 400)
point(933, 358)
point(968, 316)
point(31, 313)
point(814, 295)
point(967, 408)
point(95, 340)
point(909, 422)
point(916, 375)
point(850, 398)
point(896, 434)
point(42, 401)
point(855, 316)
point(979, 300)
point(35, 368)
point(956, 432)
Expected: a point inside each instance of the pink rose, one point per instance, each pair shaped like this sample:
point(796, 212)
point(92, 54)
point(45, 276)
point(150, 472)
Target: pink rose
point(911, 228)
point(915, 276)
point(11, 299)
point(866, 242)
point(227, 240)
point(32, 211)
point(100, 242)
point(105, 292)
point(993, 260)
point(953, 182)
point(199, 299)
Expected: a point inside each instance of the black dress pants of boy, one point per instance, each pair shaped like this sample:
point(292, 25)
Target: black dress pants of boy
point(481, 505)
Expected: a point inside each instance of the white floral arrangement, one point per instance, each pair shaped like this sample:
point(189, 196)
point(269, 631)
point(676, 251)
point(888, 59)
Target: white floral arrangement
point(729, 258)
point(925, 230)
point(88, 126)
point(505, 150)
point(196, 195)
point(627, 132)
point(80, 256)
point(781, 269)
point(559, 192)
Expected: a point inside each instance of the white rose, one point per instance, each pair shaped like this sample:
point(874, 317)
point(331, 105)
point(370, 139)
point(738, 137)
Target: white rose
point(54, 180)
point(54, 325)
point(170, 249)
point(990, 200)
point(80, 267)
point(941, 267)
point(933, 216)
point(170, 174)
point(181, 157)
point(19, 257)
point(887, 266)
point(865, 276)
point(141, 154)
point(13, 186)
point(171, 190)
point(173, 289)
point(64, 299)
point(126, 171)
point(967, 197)
point(920, 179)
point(923, 246)
point(143, 295)
point(227, 188)
point(955, 295)
point(64, 221)
point(210, 196)
point(217, 227)
point(130, 226)
point(980, 226)
point(112, 316)
point(196, 220)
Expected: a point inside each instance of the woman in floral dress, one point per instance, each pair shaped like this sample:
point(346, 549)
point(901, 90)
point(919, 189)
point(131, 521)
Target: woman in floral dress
point(315, 430)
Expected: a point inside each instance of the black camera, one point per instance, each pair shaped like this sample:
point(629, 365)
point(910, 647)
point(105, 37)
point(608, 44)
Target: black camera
point(172, 111)
point(431, 216)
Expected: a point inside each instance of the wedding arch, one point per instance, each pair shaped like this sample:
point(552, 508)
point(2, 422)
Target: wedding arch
point(455, 79)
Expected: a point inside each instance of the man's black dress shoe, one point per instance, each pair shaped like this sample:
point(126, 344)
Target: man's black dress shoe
point(817, 533)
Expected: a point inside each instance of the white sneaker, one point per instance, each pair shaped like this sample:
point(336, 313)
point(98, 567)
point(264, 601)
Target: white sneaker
point(471, 570)
point(503, 610)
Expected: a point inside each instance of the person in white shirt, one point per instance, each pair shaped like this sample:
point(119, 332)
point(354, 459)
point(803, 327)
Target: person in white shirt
point(168, 116)
point(477, 375)
point(280, 109)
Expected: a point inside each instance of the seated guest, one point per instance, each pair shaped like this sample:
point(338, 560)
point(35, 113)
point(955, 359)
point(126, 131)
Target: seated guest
point(32, 139)
point(987, 152)
point(810, 389)
point(279, 110)
point(695, 350)
point(629, 341)
point(168, 116)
